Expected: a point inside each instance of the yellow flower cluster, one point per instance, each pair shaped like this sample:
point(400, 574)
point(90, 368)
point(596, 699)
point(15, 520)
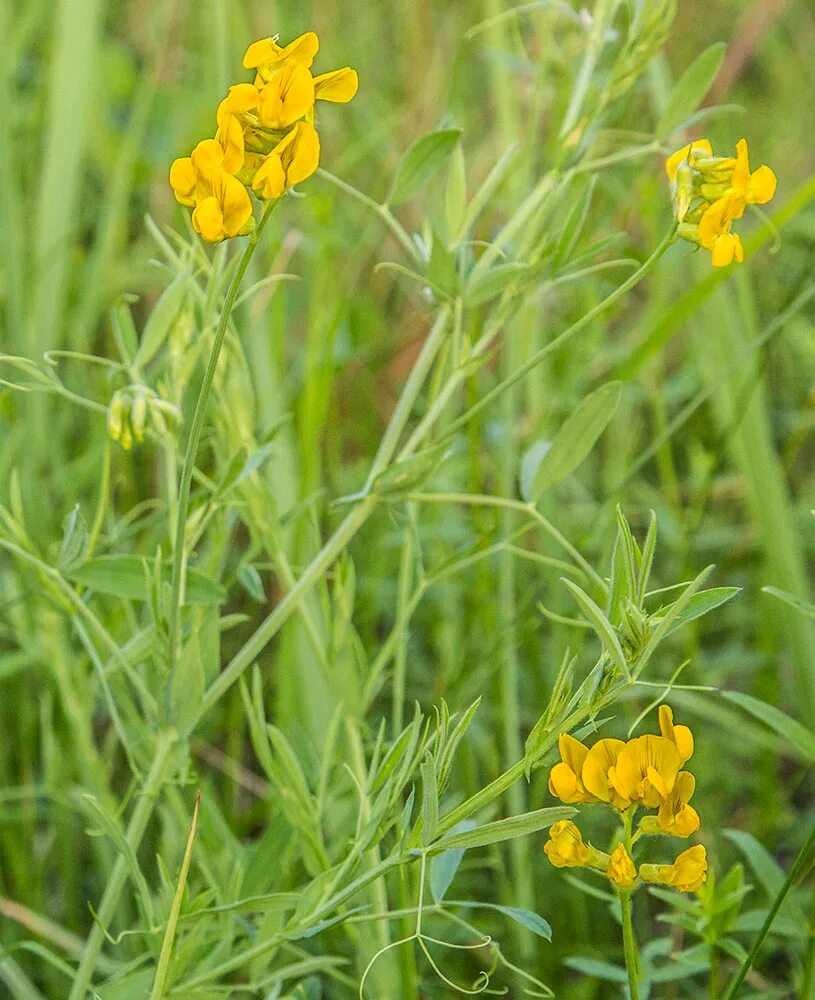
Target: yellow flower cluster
point(265, 138)
point(645, 772)
point(710, 192)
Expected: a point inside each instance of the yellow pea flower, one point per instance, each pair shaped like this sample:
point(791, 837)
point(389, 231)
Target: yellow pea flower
point(339, 86)
point(710, 192)
point(621, 869)
point(241, 98)
point(646, 770)
point(675, 816)
point(289, 95)
point(756, 188)
point(209, 159)
point(565, 778)
point(565, 847)
point(224, 212)
point(292, 160)
point(699, 147)
point(598, 770)
point(680, 736)
point(686, 874)
point(714, 230)
point(266, 56)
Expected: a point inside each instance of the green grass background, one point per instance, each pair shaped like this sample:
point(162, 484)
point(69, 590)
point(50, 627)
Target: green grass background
point(96, 99)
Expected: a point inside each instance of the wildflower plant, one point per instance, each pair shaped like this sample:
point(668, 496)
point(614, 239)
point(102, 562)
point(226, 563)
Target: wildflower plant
point(643, 773)
point(241, 661)
point(711, 192)
point(266, 140)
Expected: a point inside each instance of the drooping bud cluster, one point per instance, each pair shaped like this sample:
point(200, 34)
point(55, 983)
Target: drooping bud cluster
point(645, 772)
point(266, 138)
point(710, 192)
point(135, 408)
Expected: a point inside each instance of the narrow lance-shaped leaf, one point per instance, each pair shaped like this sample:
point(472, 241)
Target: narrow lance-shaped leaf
point(503, 829)
point(691, 89)
point(577, 437)
point(600, 624)
point(420, 162)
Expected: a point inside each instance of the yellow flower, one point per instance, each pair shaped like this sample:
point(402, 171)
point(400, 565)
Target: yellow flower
point(756, 188)
point(675, 816)
point(266, 56)
point(565, 778)
point(221, 202)
point(565, 847)
point(710, 192)
point(714, 230)
point(699, 147)
point(225, 210)
point(292, 160)
point(289, 95)
point(339, 86)
point(686, 874)
point(646, 770)
point(598, 771)
point(680, 736)
point(621, 868)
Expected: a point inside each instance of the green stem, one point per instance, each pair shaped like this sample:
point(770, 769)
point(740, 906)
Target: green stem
point(629, 945)
point(382, 211)
point(632, 961)
point(771, 915)
point(196, 428)
point(535, 359)
point(118, 876)
point(266, 631)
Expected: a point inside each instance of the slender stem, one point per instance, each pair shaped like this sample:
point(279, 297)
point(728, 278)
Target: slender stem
point(632, 962)
point(629, 945)
point(382, 211)
point(771, 915)
point(268, 628)
point(197, 426)
point(113, 889)
point(536, 358)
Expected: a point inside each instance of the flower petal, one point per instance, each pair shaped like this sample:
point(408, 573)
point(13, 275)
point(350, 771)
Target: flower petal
point(762, 186)
point(208, 220)
point(338, 86)
point(182, 180)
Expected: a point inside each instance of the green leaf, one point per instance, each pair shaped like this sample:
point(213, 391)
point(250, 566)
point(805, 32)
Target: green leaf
point(601, 625)
point(598, 970)
point(441, 269)
point(114, 831)
point(768, 871)
point(444, 866)
point(526, 918)
point(701, 603)
point(420, 162)
point(577, 436)
point(691, 88)
point(74, 545)
point(187, 685)
point(790, 729)
point(488, 284)
point(803, 606)
point(162, 318)
point(249, 579)
point(430, 801)
point(411, 473)
point(503, 829)
point(455, 196)
point(529, 468)
point(124, 576)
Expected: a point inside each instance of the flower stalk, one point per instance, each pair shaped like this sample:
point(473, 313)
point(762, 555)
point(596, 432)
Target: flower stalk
point(196, 428)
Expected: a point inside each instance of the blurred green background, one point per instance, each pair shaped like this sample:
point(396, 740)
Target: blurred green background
point(98, 98)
